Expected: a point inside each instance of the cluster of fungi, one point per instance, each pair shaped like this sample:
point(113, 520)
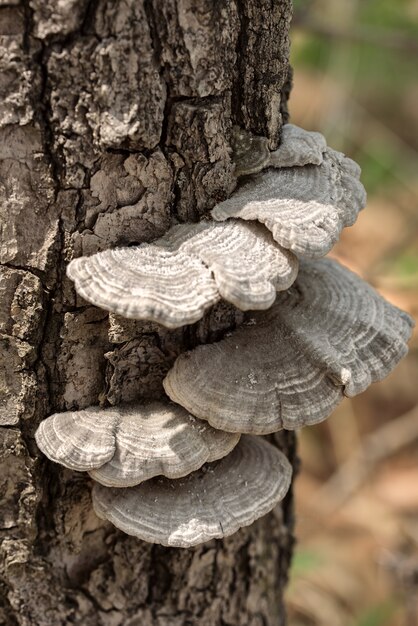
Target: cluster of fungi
point(192, 468)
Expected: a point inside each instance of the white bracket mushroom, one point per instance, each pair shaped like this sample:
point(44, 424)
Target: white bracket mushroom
point(330, 334)
point(174, 280)
point(168, 477)
point(305, 208)
point(213, 502)
point(126, 445)
point(298, 147)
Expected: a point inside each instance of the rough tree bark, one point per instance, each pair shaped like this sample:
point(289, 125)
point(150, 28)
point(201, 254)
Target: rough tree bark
point(115, 121)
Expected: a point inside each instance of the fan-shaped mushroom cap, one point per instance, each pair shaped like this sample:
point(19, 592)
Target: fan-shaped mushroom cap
point(251, 152)
point(305, 208)
point(212, 502)
point(247, 264)
point(330, 334)
point(125, 445)
point(79, 440)
point(146, 282)
point(298, 147)
point(175, 279)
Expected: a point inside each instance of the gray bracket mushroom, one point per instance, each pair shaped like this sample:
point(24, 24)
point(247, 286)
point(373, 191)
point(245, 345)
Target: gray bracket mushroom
point(126, 445)
point(174, 280)
point(213, 502)
point(330, 334)
point(179, 474)
point(298, 147)
point(305, 208)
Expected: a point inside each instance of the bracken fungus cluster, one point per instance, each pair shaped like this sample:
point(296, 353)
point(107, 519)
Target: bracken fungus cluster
point(192, 468)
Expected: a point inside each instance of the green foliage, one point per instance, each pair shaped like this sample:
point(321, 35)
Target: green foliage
point(305, 561)
point(379, 163)
point(313, 52)
point(390, 14)
point(378, 615)
point(372, 54)
point(300, 4)
point(407, 264)
point(377, 41)
point(405, 268)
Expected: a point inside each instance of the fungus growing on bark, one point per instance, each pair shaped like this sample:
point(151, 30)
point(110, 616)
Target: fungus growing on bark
point(146, 282)
point(306, 207)
point(167, 477)
point(212, 502)
point(125, 445)
point(175, 279)
point(251, 153)
point(79, 440)
point(330, 334)
point(298, 147)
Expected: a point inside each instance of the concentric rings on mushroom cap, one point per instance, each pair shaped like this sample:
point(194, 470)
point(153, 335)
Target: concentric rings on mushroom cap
point(174, 280)
point(127, 444)
point(298, 147)
point(212, 502)
point(330, 334)
point(305, 208)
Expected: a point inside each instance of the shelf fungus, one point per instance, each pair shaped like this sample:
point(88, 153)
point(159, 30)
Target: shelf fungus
point(174, 280)
point(212, 502)
point(126, 445)
point(298, 147)
point(305, 208)
point(330, 334)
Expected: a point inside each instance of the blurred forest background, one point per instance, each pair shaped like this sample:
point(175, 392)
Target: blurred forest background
point(356, 80)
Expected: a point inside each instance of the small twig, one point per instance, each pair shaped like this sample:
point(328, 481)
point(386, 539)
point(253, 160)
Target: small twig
point(377, 446)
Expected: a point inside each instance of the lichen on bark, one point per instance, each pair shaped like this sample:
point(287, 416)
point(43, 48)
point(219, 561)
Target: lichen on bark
point(115, 123)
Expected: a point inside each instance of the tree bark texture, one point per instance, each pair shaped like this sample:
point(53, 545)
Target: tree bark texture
point(115, 122)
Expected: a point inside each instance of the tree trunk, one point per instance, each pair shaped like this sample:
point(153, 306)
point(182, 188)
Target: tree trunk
point(115, 121)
